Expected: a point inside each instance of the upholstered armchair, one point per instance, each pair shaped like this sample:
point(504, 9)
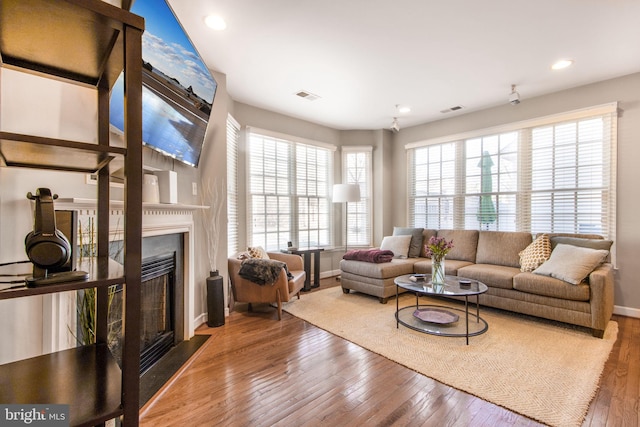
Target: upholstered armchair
point(282, 290)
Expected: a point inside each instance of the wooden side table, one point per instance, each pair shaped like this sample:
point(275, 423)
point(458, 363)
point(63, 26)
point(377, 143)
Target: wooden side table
point(306, 257)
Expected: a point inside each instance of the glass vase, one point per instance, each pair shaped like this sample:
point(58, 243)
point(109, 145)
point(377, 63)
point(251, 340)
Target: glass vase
point(437, 271)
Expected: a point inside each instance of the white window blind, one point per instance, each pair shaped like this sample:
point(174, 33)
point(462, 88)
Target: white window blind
point(233, 137)
point(357, 169)
point(553, 174)
point(289, 185)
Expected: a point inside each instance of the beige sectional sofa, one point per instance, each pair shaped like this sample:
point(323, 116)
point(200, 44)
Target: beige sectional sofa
point(492, 257)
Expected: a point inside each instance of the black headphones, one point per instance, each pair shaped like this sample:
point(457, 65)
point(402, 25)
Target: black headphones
point(46, 246)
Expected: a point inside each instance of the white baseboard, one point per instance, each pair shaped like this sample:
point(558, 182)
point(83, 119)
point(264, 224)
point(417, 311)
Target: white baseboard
point(330, 273)
point(626, 311)
point(200, 320)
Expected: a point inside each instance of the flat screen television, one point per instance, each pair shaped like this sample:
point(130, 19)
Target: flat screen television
point(177, 88)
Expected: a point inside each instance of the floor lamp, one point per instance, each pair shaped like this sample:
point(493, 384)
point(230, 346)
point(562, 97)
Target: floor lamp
point(345, 193)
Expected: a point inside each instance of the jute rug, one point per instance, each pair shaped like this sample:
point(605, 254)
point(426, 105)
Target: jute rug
point(539, 369)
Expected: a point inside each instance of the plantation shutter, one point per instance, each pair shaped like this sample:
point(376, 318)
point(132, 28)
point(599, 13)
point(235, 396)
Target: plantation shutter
point(554, 174)
point(288, 197)
point(357, 169)
point(233, 137)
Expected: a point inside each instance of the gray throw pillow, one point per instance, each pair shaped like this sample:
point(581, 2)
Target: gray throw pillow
point(416, 239)
point(582, 242)
point(571, 264)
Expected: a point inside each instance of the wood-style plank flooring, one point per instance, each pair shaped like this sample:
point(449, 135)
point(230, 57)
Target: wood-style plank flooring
point(258, 371)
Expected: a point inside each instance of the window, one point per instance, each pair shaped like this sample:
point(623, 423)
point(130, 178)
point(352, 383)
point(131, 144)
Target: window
point(233, 136)
point(356, 169)
point(554, 174)
point(289, 183)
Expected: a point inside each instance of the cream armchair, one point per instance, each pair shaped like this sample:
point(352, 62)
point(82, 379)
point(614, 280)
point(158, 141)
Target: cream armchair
point(282, 290)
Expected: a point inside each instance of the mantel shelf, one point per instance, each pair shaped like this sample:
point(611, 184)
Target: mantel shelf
point(74, 203)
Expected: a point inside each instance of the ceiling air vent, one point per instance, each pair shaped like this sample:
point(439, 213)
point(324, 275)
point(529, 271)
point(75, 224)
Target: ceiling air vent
point(307, 95)
point(448, 110)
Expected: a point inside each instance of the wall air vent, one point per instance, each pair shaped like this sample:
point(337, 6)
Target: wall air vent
point(449, 110)
point(307, 95)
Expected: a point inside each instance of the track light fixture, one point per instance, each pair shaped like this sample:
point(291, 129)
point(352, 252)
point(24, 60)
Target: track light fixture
point(514, 97)
point(395, 127)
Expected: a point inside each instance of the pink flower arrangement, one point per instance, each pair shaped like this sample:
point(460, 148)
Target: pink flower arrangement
point(438, 247)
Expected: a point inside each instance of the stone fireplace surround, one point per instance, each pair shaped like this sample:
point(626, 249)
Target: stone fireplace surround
point(157, 220)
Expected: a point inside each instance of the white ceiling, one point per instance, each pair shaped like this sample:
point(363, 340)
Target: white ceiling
point(362, 57)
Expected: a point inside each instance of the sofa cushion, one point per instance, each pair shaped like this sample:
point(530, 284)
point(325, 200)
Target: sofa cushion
point(501, 247)
point(415, 246)
point(551, 287)
point(534, 255)
point(451, 266)
point(465, 244)
point(571, 263)
point(399, 245)
point(581, 242)
point(427, 233)
point(397, 267)
point(496, 276)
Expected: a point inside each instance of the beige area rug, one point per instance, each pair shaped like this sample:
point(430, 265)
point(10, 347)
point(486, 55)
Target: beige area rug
point(539, 369)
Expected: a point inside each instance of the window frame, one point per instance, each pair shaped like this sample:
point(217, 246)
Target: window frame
point(283, 187)
point(359, 214)
point(525, 152)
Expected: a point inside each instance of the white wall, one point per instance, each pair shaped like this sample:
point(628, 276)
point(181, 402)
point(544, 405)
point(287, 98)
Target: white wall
point(42, 107)
point(625, 90)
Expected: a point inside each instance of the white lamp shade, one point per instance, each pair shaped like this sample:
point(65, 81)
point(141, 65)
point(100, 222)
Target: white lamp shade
point(346, 193)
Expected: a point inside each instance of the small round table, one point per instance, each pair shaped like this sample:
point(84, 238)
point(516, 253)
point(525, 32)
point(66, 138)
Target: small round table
point(437, 319)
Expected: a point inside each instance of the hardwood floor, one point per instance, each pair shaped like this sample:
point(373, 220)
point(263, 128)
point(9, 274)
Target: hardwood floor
point(258, 371)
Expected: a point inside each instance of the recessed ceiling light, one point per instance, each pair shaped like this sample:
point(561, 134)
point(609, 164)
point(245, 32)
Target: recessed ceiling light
point(404, 109)
point(563, 63)
point(215, 22)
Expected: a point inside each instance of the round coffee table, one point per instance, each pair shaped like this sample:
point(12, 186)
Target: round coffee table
point(437, 319)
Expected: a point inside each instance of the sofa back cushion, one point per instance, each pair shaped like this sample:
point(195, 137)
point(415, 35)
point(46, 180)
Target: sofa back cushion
point(583, 240)
point(427, 233)
point(465, 243)
point(416, 239)
point(502, 247)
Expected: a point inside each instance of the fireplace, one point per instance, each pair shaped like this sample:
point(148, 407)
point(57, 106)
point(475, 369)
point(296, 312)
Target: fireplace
point(161, 303)
point(166, 228)
point(157, 319)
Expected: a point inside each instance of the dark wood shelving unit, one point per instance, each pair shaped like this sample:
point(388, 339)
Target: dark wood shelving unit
point(87, 43)
point(45, 153)
point(87, 378)
point(102, 273)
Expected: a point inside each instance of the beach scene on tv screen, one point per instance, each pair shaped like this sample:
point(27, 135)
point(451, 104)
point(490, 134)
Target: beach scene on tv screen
point(178, 89)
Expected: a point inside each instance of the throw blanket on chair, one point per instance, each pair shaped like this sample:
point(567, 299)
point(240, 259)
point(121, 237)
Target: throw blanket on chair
point(372, 255)
point(261, 271)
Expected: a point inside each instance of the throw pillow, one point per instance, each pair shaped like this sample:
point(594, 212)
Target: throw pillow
point(399, 245)
point(584, 243)
point(415, 246)
point(534, 255)
point(257, 252)
point(571, 264)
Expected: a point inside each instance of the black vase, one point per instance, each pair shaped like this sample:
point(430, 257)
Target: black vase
point(215, 300)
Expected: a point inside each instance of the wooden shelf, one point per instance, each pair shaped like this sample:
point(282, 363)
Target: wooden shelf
point(86, 378)
point(102, 272)
point(77, 40)
point(48, 153)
